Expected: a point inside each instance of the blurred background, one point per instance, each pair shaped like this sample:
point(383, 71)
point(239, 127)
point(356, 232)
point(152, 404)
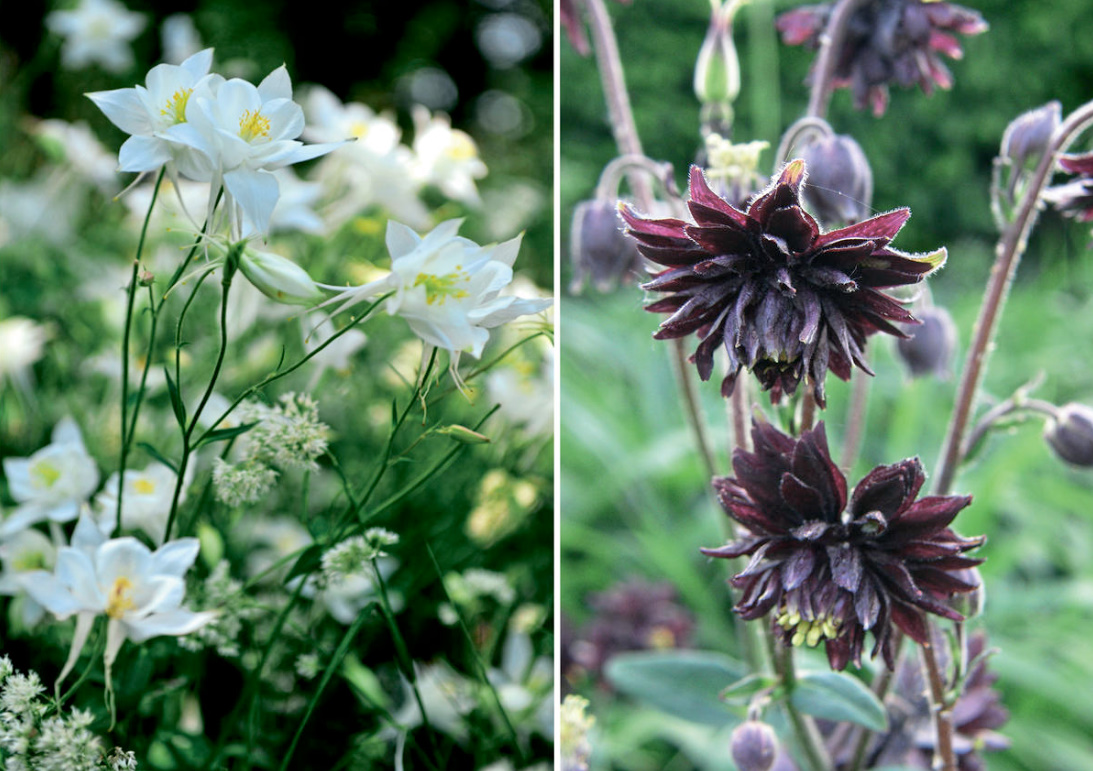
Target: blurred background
point(635, 501)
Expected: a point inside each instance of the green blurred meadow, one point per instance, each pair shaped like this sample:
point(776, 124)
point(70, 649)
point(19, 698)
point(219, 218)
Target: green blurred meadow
point(635, 500)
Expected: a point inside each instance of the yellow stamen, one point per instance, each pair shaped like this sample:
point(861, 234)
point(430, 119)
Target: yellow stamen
point(462, 147)
point(661, 638)
point(144, 486)
point(440, 288)
point(119, 600)
point(176, 105)
point(44, 475)
point(806, 631)
point(358, 128)
point(253, 125)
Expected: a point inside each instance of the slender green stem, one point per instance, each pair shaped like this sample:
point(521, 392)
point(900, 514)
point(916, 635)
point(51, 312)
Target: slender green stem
point(805, 729)
point(131, 294)
point(147, 366)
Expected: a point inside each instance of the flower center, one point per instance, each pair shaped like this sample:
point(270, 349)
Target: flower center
point(807, 631)
point(440, 288)
point(358, 128)
point(120, 598)
point(30, 560)
point(661, 638)
point(253, 125)
point(144, 486)
point(461, 147)
point(176, 105)
point(44, 475)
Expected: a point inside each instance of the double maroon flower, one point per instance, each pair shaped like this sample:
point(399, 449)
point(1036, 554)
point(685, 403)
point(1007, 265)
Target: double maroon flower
point(786, 301)
point(1075, 198)
point(829, 571)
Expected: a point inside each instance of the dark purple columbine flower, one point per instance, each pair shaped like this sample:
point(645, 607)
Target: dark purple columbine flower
point(1075, 198)
point(829, 571)
point(786, 301)
point(887, 41)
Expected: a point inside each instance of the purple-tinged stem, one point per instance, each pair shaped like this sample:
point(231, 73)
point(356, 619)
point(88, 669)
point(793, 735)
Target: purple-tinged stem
point(831, 41)
point(944, 758)
point(855, 419)
point(1009, 250)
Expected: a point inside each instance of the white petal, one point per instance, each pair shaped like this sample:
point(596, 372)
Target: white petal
point(256, 192)
point(176, 557)
point(87, 537)
point(143, 153)
point(199, 64)
point(123, 108)
point(49, 592)
point(276, 85)
point(122, 558)
point(174, 622)
point(67, 431)
point(84, 622)
point(76, 571)
point(505, 309)
point(115, 636)
point(506, 252)
point(23, 516)
point(401, 240)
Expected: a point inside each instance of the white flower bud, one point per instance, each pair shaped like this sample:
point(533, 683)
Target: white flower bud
point(279, 278)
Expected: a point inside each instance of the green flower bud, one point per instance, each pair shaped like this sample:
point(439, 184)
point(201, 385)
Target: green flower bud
point(717, 72)
point(279, 278)
point(463, 434)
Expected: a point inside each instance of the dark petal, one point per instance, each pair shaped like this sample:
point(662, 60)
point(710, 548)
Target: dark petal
point(804, 500)
point(1077, 164)
point(830, 278)
point(846, 566)
point(882, 226)
point(887, 488)
point(940, 582)
point(797, 568)
point(811, 531)
point(708, 208)
point(930, 514)
point(782, 193)
point(728, 383)
point(736, 548)
point(655, 232)
point(795, 227)
point(703, 355)
point(760, 595)
point(812, 463)
point(723, 240)
point(838, 652)
point(888, 268)
point(867, 603)
point(910, 620)
point(673, 280)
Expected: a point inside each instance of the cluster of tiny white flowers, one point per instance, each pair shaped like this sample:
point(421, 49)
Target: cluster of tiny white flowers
point(308, 665)
point(247, 482)
point(56, 743)
point(353, 555)
point(234, 607)
point(468, 590)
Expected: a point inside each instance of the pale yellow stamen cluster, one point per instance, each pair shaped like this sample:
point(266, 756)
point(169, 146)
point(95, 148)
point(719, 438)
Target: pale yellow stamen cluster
point(176, 105)
point(462, 147)
point(144, 486)
point(806, 631)
point(120, 600)
point(253, 125)
point(440, 288)
point(44, 475)
point(661, 638)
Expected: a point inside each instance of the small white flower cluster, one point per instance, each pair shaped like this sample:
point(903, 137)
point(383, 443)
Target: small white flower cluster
point(470, 589)
point(234, 607)
point(575, 725)
point(353, 556)
point(288, 435)
point(56, 743)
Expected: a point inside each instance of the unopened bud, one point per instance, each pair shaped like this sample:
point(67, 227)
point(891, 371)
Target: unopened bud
point(146, 278)
point(597, 247)
point(463, 434)
point(279, 278)
point(930, 347)
point(839, 186)
point(754, 746)
point(968, 604)
point(1027, 137)
point(1070, 434)
point(717, 71)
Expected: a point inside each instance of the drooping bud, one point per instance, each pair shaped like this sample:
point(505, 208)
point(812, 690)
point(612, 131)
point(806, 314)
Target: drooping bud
point(1027, 137)
point(146, 278)
point(717, 71)
point(279, 278)
point(839, 186)
point(463, 435)
point(597, 247)
point(968, 604)
point(754, 746)
point(1070, 434)
point(930, 347)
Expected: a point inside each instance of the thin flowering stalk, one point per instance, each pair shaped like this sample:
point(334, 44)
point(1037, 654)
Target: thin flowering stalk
point(944, 756)
point(131, 293)
point(1010, 248)
point(855, 420)
point(832, 40)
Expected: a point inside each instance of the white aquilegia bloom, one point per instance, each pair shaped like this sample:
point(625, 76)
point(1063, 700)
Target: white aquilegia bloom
point(241, 133)
point(21, 344)
point(25, 551)
point(145, 112)
point(446, 287)
point(179, 37)
point(53, 482)
point(82, 151)
point(526, 396)
point(96, 31)
point(146, 500)
point(138, 590)
point(446, 157)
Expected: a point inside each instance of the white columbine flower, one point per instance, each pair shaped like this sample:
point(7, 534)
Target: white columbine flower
point(51, 483)
point(526, 396)
point(145, 112)
point(22, 341)
point(241, 134)
point(139, 591)
point(96, 31)
point(27, 550)
point(146, 502)
point(446, 157)
point(447, 287)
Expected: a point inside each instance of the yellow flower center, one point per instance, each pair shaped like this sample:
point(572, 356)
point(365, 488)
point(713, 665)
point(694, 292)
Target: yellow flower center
point(807, 631)
point(144, 486)
point(358, 128)
point(462, 147)
point(440, 288)
point(31, 560)
point(661, 638)
point(253, 125)
point(176, 105)
point(44, 475)
point(120, 598)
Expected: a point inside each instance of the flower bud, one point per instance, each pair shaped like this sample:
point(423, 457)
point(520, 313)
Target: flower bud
point(930, 347)
point(278, 278)
point(968, 604)
point(717, 71)
point(146, 278)
point(463, 435)
point(1070, 434)
point(839, 186)
point(1027, 137)
point(597, 247)
point(754, 746)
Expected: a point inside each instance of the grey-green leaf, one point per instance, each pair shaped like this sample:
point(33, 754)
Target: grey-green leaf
point(839, 696)
point(684, 683)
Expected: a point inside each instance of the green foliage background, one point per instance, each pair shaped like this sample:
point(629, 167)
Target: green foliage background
point(634, 498)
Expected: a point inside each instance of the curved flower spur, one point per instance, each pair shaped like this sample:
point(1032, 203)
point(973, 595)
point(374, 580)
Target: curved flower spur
point(787, 301)
point(832, 571)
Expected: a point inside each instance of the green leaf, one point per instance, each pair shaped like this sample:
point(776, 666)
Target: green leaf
point(307, 563)
point(684, 683)
point(158, 456)
point(221, 434)
point(745, 688)
point(839, 696)
point(176, 400)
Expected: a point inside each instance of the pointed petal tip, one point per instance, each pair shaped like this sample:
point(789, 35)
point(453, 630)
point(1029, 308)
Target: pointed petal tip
point(793, 173)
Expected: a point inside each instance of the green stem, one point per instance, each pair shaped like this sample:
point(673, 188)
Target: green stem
point(805, 729)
